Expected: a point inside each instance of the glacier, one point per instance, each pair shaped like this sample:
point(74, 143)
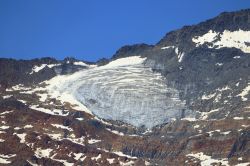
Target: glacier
point(125, 89)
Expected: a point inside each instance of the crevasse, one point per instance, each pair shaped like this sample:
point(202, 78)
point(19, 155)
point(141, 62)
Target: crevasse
point(124, 90)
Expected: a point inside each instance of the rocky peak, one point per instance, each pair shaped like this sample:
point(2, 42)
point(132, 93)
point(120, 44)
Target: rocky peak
point(231, 21)
point(184, 101)
point(131, 50)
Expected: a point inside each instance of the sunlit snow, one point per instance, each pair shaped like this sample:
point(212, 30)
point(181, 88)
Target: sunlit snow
point(238, 39)
point(123, 90)
point(179, 54)
point(244, 93)
point(42, 66)
point(80, 63)
point(208, 160)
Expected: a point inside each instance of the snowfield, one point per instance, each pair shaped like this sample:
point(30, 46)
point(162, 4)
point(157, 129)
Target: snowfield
point(124, 90)
point(208, 160)
point(238, 39)
point(36, 69)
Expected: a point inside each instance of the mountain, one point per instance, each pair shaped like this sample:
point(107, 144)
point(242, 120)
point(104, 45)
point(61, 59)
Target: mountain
point(182, 101)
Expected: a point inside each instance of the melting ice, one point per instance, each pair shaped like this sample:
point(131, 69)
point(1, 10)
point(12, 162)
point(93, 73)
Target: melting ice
point(125, 90)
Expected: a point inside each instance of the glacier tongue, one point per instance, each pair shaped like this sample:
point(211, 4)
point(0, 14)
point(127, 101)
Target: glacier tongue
point(131, 93)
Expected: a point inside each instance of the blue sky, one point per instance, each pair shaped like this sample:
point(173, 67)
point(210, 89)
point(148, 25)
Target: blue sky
point(92, 29)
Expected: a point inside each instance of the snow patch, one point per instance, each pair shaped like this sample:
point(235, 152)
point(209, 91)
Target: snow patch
point(124, 155)
point(245, 126)
point(4, 159)
point(204, 115)
point(179, 54)
point(21, 136)
point(4, 127)
point(212, 132)
point(80, 119)
point(237, 39)
point(209, 37)
point(219, 64)
point(28, 126)
point(225, 132)
point(17, 128)
point(236, 57)
point(48, 111)
point(37, 68)
point(238, 118)
point(110, 161)
point(167, 47)
point(207, 97)
point(6, 112)
point(207, 160)
point(96, 158)
point(223, 88)
point(196, 126)
point(62, 127)
point(189, 119)
point(127, 163)
point(79, 141)
point(22, 101)
point(80, 63)
point(116, 132)
point(20, 87)
point(43, 152)
point(244, 93)
point(93, 141)
point(55, 136)
point(7, 96)
point(79, 156)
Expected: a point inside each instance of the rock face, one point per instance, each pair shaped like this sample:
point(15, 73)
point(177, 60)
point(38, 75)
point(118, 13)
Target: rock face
point(29, 72)
point(183, 101)
point(18, 71)
point(132, 50)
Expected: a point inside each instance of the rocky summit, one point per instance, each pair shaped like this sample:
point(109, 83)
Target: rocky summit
point(182, 101)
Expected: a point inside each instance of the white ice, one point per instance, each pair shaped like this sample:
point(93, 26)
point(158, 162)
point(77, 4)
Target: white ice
point(124, 90)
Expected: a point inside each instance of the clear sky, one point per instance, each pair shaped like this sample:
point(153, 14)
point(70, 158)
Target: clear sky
point(91, 29)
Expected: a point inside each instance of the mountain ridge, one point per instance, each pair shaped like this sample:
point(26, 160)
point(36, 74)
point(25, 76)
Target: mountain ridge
point(193, 86)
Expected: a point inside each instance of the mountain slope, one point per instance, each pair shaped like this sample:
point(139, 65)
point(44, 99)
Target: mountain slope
point(183, 101)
